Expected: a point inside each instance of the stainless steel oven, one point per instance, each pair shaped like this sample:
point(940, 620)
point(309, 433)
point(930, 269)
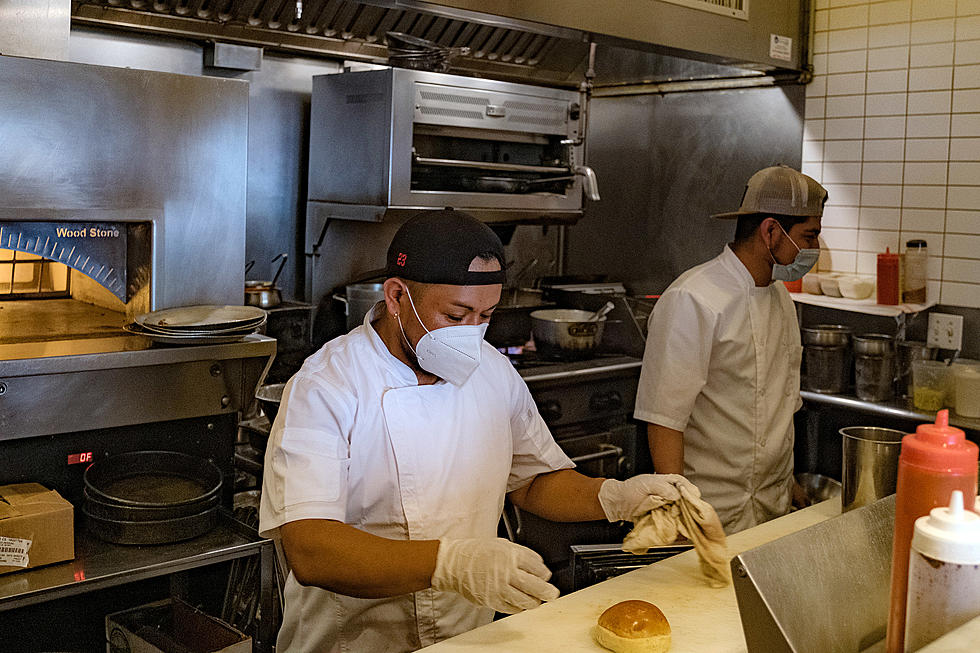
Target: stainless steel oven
point(413, 139)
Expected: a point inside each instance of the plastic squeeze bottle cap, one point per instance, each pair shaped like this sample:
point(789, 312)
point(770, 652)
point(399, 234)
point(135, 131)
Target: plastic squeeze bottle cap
point(949, 534)
point(940, 447)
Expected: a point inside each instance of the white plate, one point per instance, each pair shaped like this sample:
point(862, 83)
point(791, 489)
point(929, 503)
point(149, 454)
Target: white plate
point(222, 339)
point(203, 318)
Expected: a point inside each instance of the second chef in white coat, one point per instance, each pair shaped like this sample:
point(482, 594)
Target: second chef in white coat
point(721, 371)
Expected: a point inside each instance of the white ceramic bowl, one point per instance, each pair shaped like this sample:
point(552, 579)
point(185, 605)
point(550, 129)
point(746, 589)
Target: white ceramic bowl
point(828, 284)
point(854, 287)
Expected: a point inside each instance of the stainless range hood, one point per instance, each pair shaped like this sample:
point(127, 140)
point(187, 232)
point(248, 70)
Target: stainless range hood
point(536, 41)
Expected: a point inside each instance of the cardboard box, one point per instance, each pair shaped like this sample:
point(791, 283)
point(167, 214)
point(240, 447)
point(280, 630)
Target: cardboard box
point(171, 626)
point(36, 527)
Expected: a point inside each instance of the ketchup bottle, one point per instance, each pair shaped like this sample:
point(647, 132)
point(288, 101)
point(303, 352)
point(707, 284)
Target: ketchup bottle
point(889, 278)
point(935, 460)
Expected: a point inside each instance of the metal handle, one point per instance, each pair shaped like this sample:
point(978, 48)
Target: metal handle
point(605, 451)
point(484, 165)
point(589, 183)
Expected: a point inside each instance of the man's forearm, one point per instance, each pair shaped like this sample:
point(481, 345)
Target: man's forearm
point(343, 559)
point(564, 495)
point(666, 449)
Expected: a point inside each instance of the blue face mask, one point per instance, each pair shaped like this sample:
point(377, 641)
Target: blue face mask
point(803, 262)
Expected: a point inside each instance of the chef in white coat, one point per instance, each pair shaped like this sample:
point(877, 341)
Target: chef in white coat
point(721, 371)
point(393, 450)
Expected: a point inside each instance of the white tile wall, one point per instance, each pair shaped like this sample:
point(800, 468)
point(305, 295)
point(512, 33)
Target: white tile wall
point(892, 129)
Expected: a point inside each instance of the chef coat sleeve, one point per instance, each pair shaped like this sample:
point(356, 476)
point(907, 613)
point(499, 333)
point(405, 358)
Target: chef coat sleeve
point(535, 450)
point(676, 359)
point(308, 455)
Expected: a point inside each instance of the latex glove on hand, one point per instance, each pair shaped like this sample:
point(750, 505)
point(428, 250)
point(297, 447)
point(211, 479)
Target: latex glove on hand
point(493, 572)
point(636, 496)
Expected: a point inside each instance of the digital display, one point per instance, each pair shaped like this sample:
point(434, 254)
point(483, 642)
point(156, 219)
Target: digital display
point(76, 458)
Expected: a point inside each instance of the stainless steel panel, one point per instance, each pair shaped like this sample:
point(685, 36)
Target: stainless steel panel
point(458, 106)
point(35, 28)
point(138, 140)
point(823, 589)
point(666, 164)
point(665, 25)
point(42, 396)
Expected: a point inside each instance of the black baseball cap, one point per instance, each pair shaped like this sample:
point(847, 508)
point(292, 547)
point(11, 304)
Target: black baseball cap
point(439, 246)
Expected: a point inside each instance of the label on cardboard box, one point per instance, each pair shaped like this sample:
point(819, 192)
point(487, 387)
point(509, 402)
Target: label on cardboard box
point(13, 551)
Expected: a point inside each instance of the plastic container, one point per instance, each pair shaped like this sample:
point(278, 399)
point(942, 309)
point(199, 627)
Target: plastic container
point(916, 262)
point(811, 284)
point(853, 287)
point(874, 367)
point(956, 365)
point(930, 383)
point(966, 383)
point(889, 278)
point(944, 573)
point(908, 351)
point(934, 461)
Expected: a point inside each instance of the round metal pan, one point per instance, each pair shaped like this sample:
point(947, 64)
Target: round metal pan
point(205, 317)
point(152, 479)
point(116, 512)
point(164, 531)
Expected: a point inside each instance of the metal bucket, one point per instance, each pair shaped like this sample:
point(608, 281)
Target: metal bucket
point(870, 464)
point(361, 298)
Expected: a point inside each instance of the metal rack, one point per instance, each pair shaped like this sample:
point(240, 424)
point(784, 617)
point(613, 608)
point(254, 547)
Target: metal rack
point(100, 565)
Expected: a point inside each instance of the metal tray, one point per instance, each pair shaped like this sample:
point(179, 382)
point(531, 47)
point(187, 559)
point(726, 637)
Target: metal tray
point(203, 318)
point(219, 339)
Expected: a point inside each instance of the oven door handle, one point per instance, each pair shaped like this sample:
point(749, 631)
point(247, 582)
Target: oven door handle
point(605, 451)
point(484, 165)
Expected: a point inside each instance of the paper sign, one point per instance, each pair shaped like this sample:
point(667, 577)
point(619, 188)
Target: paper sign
point(780, 47)
point(13, 552)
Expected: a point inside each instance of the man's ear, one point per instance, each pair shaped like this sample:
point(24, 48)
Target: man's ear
point(394, 288)
point(770, 231)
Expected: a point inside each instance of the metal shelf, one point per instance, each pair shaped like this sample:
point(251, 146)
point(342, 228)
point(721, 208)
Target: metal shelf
point(99, 565)
point(897, 408)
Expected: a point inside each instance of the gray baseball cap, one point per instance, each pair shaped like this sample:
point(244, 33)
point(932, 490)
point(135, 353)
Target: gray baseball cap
point(780, 190)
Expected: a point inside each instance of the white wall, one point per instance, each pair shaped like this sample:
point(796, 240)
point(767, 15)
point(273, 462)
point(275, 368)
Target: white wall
point(892, 130)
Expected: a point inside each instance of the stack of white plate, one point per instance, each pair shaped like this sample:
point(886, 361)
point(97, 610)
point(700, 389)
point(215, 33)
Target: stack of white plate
point(198, 325)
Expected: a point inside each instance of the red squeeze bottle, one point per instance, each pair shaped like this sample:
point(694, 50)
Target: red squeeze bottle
point(889, 272)
point(935, 460)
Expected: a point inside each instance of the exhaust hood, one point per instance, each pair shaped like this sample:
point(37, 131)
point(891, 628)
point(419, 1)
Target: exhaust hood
point(531, 41)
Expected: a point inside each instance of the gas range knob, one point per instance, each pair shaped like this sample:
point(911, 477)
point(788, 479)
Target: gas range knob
point(605, 401)
point(550, 411)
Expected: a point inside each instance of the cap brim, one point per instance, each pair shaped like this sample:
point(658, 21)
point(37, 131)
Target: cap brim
point(732, 215)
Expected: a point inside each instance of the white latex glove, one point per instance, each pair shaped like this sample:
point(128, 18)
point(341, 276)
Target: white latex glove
point(493, 572)
point(636, 496)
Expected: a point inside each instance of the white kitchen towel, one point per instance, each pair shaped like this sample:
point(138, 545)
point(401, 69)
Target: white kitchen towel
point(692, 517)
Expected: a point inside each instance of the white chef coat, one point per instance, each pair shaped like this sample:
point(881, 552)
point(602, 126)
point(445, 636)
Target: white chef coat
point(358, 440)
point(722, 365)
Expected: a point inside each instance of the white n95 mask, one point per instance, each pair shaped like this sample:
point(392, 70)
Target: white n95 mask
point(452, 353)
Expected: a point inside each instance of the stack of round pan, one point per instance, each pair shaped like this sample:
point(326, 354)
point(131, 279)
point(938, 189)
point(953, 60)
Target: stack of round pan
point(198, 325)
point(151, 497)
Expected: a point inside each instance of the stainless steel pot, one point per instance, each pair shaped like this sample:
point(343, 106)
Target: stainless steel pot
point(827, 335)
point(360, 298)
point(261, 293)
point(566, 332)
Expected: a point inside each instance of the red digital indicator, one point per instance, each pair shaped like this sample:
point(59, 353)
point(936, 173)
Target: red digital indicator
point(75, 458)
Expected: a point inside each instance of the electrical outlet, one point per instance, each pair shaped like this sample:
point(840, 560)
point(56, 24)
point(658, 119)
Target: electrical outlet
point(945, 331)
